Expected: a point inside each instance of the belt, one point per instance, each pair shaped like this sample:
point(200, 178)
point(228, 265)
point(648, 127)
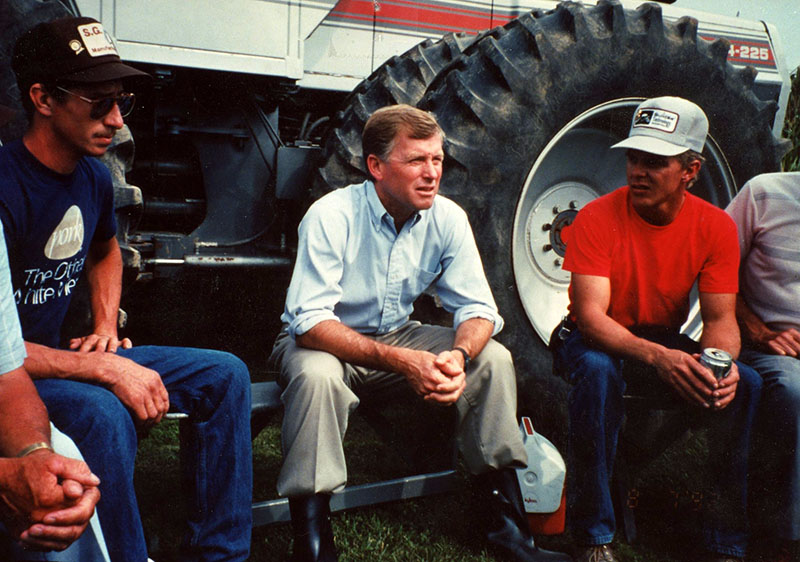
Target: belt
point(557, 338)
point(565, 328)
point(561, 333)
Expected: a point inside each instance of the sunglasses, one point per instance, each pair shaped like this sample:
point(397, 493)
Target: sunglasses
point(102, 106)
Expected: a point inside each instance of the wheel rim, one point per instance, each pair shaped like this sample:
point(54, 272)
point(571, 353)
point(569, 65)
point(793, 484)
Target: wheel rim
point(574, 168)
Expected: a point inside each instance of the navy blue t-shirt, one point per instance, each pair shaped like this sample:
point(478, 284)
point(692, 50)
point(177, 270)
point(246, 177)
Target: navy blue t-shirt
point(50, 220)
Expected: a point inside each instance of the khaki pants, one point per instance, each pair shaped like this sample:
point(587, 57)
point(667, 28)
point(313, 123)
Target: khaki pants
point(320, 392)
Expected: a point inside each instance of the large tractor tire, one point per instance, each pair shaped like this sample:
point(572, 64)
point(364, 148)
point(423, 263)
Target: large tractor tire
point(529, 115)
point(401, 79)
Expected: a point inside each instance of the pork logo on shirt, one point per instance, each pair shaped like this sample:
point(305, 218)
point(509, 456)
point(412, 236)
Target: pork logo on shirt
point(67, 238)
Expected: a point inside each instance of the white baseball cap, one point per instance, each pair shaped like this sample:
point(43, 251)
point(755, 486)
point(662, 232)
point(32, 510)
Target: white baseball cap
point(667, 126)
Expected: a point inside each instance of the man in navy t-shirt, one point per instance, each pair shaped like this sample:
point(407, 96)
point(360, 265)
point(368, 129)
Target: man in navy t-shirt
point(56, 204)
point(47, 498)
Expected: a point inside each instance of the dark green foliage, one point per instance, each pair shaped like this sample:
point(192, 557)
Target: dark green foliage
point(791, 126)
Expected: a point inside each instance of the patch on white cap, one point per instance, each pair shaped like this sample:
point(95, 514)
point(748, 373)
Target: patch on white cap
point(98, 42)
point(667, 126)
point(658, 119)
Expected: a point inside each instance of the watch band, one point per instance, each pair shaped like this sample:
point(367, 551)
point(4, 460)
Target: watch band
point(467, 358)
point(34, 447)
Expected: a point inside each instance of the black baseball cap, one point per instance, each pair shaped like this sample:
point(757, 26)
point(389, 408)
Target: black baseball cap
point(76, 50)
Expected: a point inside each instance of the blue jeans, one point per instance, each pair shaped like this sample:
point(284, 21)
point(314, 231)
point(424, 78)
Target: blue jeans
point(214, 389)
point(596, 411)
point(780, 416)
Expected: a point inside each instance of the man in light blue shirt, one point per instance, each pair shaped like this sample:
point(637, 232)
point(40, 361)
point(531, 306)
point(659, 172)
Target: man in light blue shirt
point(365, 253)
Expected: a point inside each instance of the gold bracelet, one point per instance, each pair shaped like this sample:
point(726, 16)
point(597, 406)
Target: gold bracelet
point(34, 447)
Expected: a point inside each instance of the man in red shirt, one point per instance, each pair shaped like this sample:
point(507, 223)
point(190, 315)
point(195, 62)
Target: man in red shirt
point(634, 255)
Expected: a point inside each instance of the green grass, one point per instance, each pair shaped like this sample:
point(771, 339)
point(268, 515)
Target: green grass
point(440, 528)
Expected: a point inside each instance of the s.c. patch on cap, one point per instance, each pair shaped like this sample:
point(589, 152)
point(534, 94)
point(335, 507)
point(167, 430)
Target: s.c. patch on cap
point(69, 50)
point(96, 40)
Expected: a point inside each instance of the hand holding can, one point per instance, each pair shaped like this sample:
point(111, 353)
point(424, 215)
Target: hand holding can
point(717, 361)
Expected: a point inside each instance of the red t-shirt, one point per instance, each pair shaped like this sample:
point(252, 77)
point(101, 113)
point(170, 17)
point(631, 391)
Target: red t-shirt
point(652, 268)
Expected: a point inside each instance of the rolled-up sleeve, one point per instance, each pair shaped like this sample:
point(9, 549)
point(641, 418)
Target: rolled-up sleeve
point(315, 287)
point(462, 287)
point(12, 347)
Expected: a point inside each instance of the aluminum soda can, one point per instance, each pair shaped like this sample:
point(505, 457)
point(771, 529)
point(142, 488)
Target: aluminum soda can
point(717, 360)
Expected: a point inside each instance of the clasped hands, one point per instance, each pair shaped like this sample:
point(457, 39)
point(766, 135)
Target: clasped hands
point(48, 500)
point(437, 378)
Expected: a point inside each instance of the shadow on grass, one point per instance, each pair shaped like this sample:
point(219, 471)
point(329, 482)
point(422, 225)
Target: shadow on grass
point(440, 528)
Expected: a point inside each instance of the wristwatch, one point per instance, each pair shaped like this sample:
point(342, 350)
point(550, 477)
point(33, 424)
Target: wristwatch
point(467, 358)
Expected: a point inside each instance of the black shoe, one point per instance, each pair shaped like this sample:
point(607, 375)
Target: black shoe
point(508, 529)
point(313, 534)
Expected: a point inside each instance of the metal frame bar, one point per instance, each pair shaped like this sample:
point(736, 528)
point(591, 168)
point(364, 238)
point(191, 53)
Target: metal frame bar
point(275, 511)
point(266, 400)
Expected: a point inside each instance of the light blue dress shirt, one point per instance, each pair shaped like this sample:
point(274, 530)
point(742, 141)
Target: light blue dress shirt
point(353, 266)
point(12, 348)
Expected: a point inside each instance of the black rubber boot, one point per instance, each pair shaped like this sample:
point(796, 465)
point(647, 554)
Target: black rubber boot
point(508, 527)
point(313, 534)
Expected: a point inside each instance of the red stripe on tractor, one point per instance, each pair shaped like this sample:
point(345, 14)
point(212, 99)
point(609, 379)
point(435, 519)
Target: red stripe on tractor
point(424, 16)
point(752, 52)
point(418, 15)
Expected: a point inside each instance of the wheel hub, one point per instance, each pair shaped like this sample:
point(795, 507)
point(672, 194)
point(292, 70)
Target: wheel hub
point(547, 226)
point(575, 168)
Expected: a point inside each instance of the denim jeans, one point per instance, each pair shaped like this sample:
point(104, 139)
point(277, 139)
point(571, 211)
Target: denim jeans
point(780, 418)
point(214, 389)
point(596, 412)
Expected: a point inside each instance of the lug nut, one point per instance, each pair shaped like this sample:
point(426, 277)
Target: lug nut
point(547, 226)
point(573, 204)
point(557, 262)
point(547, 247)
point(556, 210)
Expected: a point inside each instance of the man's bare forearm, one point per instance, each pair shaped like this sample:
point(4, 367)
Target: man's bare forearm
point(348, 345)
point(720, 328)
point(753, 329)
point(23, 416)
point(49, 363)
point(104, 274)
point(591, 300)
point(139, 388)
point(722, 335)
point(472, 335)
point(607, 334)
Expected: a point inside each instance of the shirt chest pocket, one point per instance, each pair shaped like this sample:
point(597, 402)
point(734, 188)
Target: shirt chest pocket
point(418, 282)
